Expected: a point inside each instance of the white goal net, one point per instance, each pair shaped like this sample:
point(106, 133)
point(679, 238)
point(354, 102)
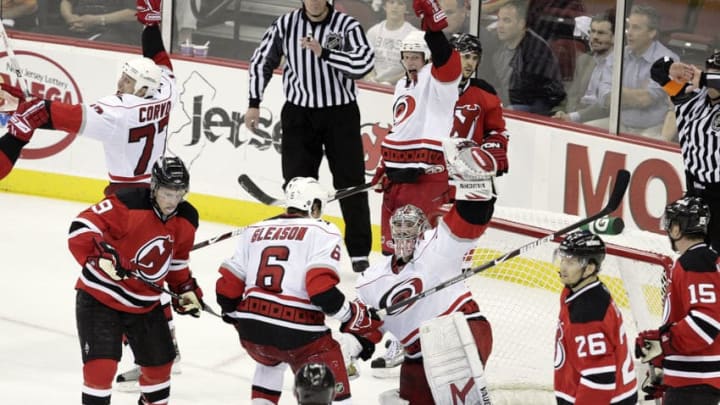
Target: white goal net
point(520, 297)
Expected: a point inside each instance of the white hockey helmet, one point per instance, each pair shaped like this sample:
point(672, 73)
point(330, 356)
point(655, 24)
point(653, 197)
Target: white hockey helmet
point(145, 73)
point(415, 42)
point(303, 193)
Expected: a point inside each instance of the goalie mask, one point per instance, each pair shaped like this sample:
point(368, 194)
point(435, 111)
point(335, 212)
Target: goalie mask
point(575, 253)
point(407, 225)
point(169, 183)
point(690, 214)
point(314, 384)
point(145, 73)
point(306, 194)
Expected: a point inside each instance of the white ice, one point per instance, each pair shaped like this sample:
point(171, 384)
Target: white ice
point(39, 350)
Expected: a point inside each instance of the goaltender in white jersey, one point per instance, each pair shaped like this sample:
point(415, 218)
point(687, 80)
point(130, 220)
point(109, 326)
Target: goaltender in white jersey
point(425, 258)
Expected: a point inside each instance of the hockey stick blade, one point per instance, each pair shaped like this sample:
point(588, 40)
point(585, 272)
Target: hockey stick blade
point(621, 183)
point(255, 191)
point(216, 239)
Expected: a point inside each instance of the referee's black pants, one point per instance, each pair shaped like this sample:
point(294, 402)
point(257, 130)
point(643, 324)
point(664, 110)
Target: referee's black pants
point(336, 130)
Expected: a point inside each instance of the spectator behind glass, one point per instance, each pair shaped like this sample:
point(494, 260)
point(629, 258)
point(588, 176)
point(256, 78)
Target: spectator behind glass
point(385, 37)
point(358, 9)
point(186, 22)
point(643, 103)
point(456, 16)
point(22, 13)
point(588, 93)
point(528, 74)
point(101, 20)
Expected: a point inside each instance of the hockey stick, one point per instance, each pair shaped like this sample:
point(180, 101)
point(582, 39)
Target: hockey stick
point(265, 198)
point(216, 239)
point(621, 182)
point(14, 64)
point(156, 287)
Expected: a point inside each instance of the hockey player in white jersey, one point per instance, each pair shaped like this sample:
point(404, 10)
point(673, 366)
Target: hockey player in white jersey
point(424, 258)
point(279, 285)
point(132, 124)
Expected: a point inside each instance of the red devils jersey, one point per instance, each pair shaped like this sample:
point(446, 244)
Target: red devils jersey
point(422, 117)
point(592, 356)
point(478, 112)
point(128, 222)
point(693, 311)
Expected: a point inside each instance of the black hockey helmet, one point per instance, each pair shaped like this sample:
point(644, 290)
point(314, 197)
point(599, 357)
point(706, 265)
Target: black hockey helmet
point(170, 172)
point(314, 384)
point(713, 61)
point(466, 43)
point(691, 214)
point(583, 245)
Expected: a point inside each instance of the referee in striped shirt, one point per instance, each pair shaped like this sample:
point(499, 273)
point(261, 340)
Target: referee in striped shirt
point(696, 95)
point(325, 52)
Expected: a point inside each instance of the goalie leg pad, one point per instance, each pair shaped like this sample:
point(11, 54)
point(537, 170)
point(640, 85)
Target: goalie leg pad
point(453, 367)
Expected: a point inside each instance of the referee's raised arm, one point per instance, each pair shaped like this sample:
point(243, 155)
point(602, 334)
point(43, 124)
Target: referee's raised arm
point(324, 52)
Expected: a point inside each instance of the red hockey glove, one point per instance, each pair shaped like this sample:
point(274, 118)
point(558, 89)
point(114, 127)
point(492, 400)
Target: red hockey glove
point(29, 116)
point(363, 322)
point(148, 12)
point(10, 97)
point(496, 145)
point(110, 261)
point(432, 15)
point(380, 180)
point(652, 346)
point(652, 386)
point(190, 302)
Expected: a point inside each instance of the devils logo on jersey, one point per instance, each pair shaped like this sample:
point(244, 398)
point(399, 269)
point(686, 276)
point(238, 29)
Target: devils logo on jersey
point(400, 292)
point(403, 108)
point(559, 348)
point(153, 258)
point(465, 117)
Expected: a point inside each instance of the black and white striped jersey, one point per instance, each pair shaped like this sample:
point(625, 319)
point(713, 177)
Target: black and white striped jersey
point(698, 122)
point(308, 80)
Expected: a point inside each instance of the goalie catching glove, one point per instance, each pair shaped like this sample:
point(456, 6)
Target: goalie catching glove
point(190, 302)
point(148, 12)
point(432, 15)
point(471, 169)
point(110, 261)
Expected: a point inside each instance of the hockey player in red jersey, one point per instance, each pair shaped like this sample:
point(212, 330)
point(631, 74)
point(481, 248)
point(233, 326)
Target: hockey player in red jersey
point(282, 281)
point(593, 364)
point(20, 131)
point(412, 169)
point(426, 257)
point(686, 346)
point(478, 111)
point(134, 235)
point(132, 124)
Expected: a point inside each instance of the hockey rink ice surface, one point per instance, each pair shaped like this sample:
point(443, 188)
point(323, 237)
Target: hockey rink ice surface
point(39, 350)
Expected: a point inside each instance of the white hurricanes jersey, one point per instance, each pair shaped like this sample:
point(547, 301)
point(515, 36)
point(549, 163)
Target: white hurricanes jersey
point(274, 257)
point(422, 117)
point(438, 257)
point(133, 130)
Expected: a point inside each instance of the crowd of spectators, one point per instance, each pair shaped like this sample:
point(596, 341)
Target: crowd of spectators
point(542, 56)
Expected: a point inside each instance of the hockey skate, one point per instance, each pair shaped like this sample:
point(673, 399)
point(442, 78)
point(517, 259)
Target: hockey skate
point(353, 370)
point(386, 366)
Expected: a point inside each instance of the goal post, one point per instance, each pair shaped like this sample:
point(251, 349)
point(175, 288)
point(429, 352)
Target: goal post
point(520, 297)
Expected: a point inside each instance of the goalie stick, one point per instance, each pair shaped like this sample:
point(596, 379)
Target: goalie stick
point(14, 64)
point(265, 198)
point(621, 182)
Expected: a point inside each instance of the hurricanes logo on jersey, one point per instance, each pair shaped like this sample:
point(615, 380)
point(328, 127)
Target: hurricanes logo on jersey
point(403, 108)
point(153, 258)
point(400, 292)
